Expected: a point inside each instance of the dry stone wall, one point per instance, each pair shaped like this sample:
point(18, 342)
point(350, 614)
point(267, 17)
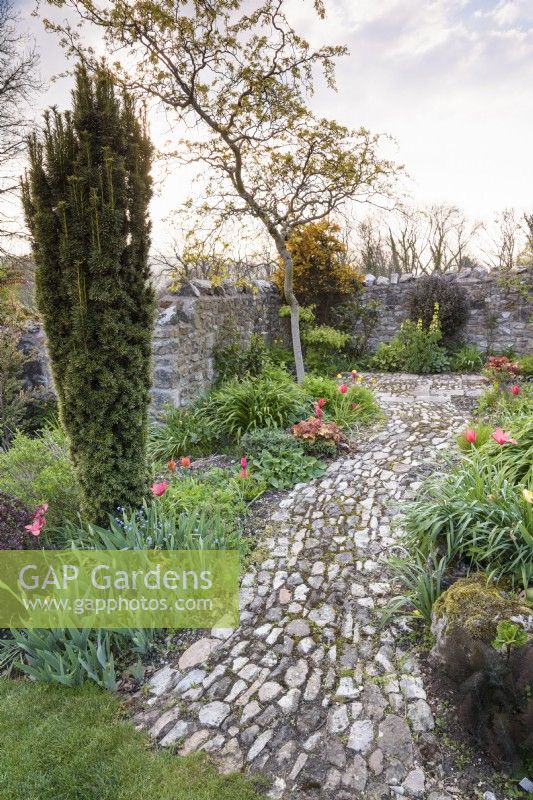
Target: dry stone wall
point(196, 319)
point(500, 315)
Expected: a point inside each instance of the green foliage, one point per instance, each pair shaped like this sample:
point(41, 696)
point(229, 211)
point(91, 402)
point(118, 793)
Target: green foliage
point(86, 198)
point(12, 395)
point(526, 366)
point(270, 439)
point(449, 295)
point(272, 400)
point(182, 432)
point(500, 403)
point(358, 318)
point(39, 471)
point(467, 359)
point(66, 656)
point(509, 634)
point(324, 348)
point(358, 405)
point(284, 469)
point(155, 527)
point(79, 744)
point(235, 360)
point(423, 576)
point(415, 349)
point(13, 517)
point(220, 492)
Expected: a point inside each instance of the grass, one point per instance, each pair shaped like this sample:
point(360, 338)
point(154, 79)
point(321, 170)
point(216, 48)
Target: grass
point(59, 744)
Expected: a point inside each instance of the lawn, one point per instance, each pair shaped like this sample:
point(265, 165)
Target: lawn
point(76, 744)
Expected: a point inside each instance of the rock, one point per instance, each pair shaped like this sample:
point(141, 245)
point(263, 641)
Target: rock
point(230, 758)
point(296, 674)
point(162, 680)
point(259, 745)
point(213, 714)
point(269, 691)
point(322, 616)
point(298, 628)
point(415, 783)
point(198, 653)
point(420, 715)
point(395, 739)
point(361, 736)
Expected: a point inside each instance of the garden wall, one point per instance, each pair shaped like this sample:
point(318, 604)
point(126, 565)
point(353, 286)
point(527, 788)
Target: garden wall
point(499, 318)
point(193, 321)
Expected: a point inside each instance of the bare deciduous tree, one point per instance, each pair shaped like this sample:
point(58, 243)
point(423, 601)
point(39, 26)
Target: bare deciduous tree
point(242, 76)
point(18, 84)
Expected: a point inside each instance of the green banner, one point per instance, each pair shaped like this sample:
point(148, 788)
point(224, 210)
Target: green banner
point(119, 589)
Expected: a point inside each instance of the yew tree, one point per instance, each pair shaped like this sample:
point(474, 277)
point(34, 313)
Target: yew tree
point(242, 77)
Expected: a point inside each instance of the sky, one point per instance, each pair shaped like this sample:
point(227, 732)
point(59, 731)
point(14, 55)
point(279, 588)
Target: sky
point(450, 80)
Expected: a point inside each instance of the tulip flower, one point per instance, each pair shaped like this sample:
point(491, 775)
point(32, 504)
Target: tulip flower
point(321, 402)
point(39, 520)
point(528, 495)
point(243, 473)
point(502, 437)
point(159, 488)
point(355, 375)
point(171, 465)
point(185, 461)
point(343, 388)
point(318, 410)
point(244, 462)
point(515, 389)
point(470, 435)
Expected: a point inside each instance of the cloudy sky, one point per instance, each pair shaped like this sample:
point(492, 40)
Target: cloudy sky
point(450, 80)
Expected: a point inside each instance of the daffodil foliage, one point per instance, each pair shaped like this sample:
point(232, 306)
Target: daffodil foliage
point(242, 77)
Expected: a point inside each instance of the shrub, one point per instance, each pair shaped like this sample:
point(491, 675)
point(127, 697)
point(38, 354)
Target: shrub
point(318, 437)
point(183, 431)
point(270, 439)
point(90, 232)
point(13, 517)
point(501, 369)
point(39, 471)
point(272, 400)
point(324, 348)
point(415, 349)
point(358, 318)
point(526, 366)
point(467, 359)
point(236, 360)
point(322, 274)
point(449, 295)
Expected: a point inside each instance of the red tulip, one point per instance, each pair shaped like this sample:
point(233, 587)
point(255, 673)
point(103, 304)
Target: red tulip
point(321, 402)
point(39, 520)
point(185, 461)
point(515, 389)
point(502, 437)
point(470, 435)
point(343, 388)
point(159, 488)
point(171, 465)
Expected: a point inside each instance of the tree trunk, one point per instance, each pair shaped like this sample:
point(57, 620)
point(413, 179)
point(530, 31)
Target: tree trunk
point(290, 297)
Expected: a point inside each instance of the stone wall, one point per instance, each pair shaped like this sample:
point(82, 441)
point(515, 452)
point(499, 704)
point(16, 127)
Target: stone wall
point(499, 317)
point(192, 322)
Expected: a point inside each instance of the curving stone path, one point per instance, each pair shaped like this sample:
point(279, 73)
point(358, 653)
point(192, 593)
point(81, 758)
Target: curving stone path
point(308, 689)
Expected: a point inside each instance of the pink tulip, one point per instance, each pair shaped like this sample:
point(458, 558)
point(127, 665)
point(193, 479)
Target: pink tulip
point(39, 520)
point(470, 435)
point(343, 388)
point(244, 462)
point(515, 389)
point(318, 410)
point(159, 489)
point(321, 402)
point(243, 473)
point(502, 437)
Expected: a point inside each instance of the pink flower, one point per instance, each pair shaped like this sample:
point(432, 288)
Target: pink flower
point(39, 520)
point(159, 489)
point(244, 462)
point(321, 402)
point(243, 473)
point(343, 388)
point(318, 410)
point(502, 437)
point(515, 389)
point(470, 435)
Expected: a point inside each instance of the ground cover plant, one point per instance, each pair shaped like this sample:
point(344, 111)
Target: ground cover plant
point(79, 745)
point(415, 348)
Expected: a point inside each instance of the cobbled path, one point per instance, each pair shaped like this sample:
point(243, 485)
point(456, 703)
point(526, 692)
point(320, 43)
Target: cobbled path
point(309, 689)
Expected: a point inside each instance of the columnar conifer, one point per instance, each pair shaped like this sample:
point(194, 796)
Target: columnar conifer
point(86, 198)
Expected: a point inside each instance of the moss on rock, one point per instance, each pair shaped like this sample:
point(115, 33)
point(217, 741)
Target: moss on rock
point(475, 606)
